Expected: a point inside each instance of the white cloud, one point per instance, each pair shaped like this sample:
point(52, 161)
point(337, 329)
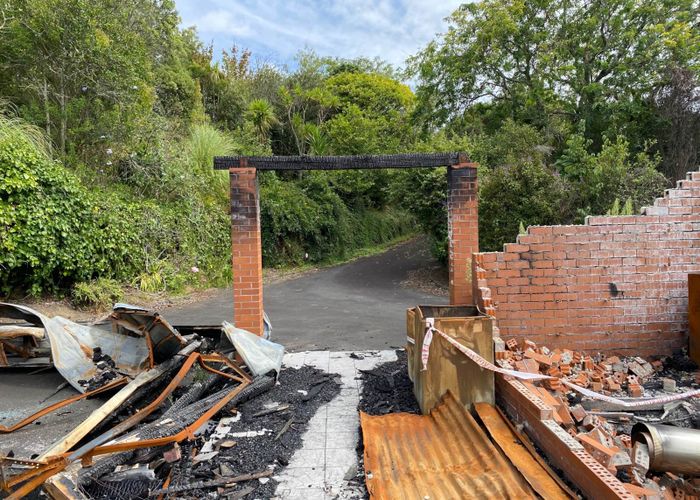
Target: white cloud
point(390, 29)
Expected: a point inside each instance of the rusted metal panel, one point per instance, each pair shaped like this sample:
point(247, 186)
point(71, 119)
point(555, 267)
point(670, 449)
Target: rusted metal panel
point(443, 455)
point(535, 474)
point(694, 315)
point(163, 340)
point(447, 368)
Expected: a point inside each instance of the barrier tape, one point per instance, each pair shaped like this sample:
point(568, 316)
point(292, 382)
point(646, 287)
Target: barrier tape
point(535, 376)
point(425, 350)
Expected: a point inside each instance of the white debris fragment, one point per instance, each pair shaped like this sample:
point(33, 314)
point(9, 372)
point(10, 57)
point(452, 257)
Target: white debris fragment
point(232, 420)
point(249, 434)
point(217, 436)
point(203, 457)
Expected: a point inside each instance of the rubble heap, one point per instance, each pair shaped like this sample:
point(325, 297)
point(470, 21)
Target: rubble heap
point(603, 429)
point(245, 444)
point(184, 416)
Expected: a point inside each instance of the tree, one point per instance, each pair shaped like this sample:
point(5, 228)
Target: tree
point(677, 105)
point(539, 60)
point(92, 71)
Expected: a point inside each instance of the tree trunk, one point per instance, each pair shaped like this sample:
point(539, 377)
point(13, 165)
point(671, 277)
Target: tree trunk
point(47, 114)
point(64, 117)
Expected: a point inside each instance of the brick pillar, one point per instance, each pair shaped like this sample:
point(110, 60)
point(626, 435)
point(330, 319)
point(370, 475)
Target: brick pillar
point(462, 230)
point(246, 251)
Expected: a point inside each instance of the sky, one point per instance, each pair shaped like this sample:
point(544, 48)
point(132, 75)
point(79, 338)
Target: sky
point(275, 30)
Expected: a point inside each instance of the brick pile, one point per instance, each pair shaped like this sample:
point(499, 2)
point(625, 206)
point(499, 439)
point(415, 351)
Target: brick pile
point(608, 440)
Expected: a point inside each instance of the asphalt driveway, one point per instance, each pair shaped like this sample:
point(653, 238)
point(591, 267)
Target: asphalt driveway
point(360, 305)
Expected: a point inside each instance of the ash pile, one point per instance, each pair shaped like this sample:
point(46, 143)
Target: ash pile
point(629, 413)
point(182, 416)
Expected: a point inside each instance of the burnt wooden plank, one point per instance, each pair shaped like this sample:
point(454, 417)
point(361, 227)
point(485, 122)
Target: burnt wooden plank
point(413, 160)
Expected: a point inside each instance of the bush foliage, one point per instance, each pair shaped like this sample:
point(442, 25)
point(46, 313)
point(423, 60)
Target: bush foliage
point(111, 113)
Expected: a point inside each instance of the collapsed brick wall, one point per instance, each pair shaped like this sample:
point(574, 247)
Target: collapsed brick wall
point(614, 284)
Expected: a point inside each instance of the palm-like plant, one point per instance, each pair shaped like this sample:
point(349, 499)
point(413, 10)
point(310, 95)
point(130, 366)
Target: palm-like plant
point(262, 117)
point(316, 140)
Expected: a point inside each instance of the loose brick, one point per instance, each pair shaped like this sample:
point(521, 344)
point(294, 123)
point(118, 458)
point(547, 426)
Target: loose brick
point(635, 390)
point(512, 344)
point(640, 457)
point(543, 360)
point(603, 454)
point(578, 413)
point(527, 365)
point(669, 384)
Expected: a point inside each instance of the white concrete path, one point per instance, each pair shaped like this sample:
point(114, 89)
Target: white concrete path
point(317, 470)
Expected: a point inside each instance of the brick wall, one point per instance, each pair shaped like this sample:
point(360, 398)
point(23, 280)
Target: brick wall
point(246, 252)
point(614, 284)
point(462, 229)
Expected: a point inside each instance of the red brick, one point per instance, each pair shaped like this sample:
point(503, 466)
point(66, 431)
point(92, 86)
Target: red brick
point(602, 453)
point(578, 413)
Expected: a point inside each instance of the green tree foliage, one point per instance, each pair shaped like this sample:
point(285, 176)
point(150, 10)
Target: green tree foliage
point(137, 109)
point(308, 221)
point(567, 104)
point(571, 108)
point(526, 191)
point(262, 117)
point(549, 63)
point(54, 231)
point(90, 72)
point(369, 113)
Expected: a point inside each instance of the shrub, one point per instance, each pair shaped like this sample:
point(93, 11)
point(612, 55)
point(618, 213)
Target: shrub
point(526, 193)
point(599, 179)
point(54, 231)
point(100, 293)
point(307, 219)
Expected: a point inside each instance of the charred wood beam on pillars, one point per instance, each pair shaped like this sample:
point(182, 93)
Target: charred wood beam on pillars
point(413, 160)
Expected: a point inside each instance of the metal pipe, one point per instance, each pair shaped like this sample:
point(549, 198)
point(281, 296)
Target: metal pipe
point(671, 449)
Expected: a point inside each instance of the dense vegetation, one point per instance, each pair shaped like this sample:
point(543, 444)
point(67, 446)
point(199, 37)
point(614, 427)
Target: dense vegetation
point(571, 107)
point(111, 114)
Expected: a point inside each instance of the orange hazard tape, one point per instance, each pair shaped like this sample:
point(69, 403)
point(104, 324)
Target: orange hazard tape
point(534, 376)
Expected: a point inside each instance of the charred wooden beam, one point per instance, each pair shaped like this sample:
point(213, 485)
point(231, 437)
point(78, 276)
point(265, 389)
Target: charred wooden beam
point(413, 160)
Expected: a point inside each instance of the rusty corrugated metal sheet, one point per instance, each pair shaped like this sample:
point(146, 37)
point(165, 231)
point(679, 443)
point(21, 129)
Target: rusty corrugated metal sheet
point(444, 455)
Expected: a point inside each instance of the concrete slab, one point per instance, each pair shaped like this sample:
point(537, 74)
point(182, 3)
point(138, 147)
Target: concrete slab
point(328, 455)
